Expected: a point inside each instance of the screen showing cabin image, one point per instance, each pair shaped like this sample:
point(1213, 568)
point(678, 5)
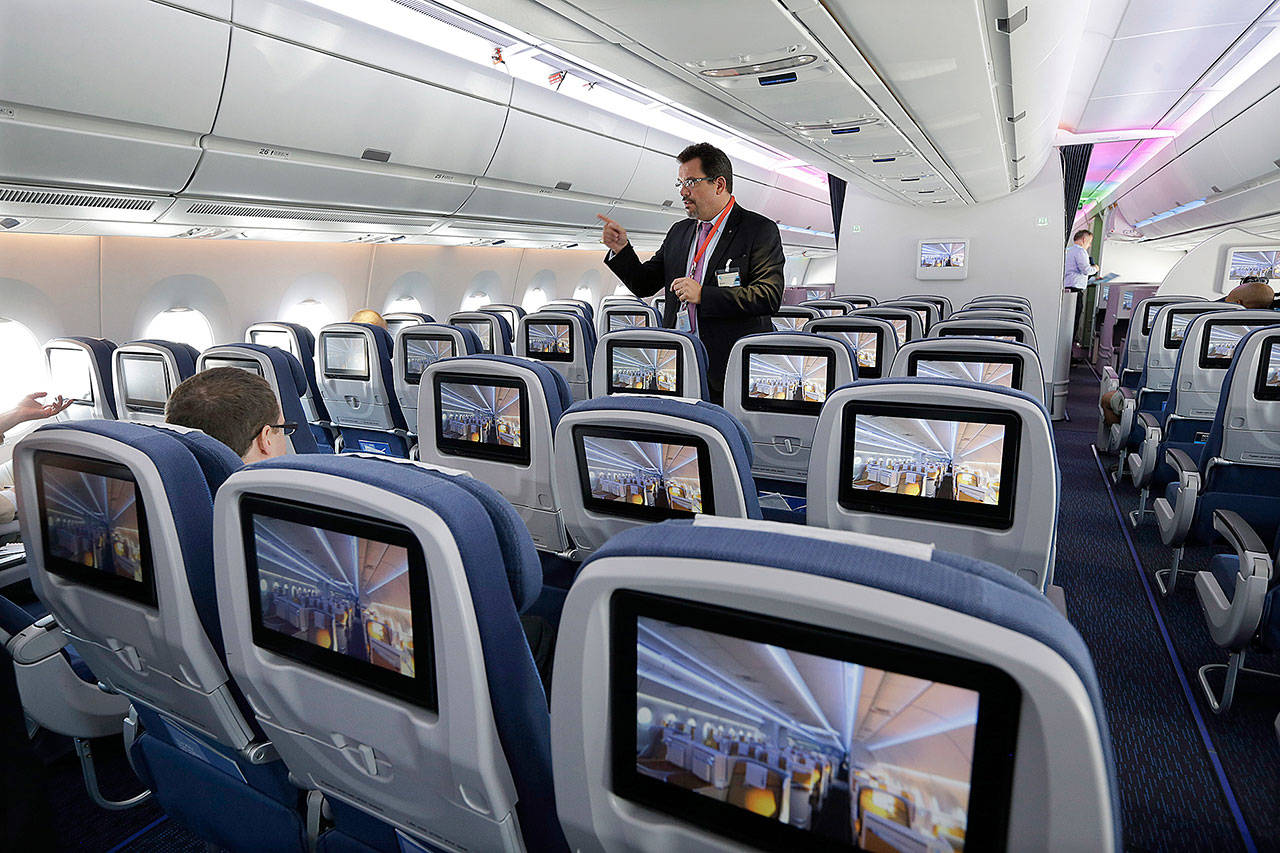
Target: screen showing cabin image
point(798, 378)
point(1220, 343)
point(344, 593)
point(658, 475)
point(482, 414)
point(1262, 263)
point(864, 344)
point(483, 330)
point(146, 381)
point(788, 323)
point(949, 460)
point(548, 338)
point(900, 329)
point(1271, 378)
point(92, 520)
point(619, 321)
point(1177, 328)
point(985, 372)
point(934, 255)
point(965, 333)
point(211, 363)
point(648, 369)
point(70, 376)
point(865, 757)
point(346, 356)
point(421, 353)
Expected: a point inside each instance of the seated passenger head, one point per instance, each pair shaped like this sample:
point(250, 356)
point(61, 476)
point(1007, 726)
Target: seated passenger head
point(368, 315)
point(1254, 292)
point(234, 406)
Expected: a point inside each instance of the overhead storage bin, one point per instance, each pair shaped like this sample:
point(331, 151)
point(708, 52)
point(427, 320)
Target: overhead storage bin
point(113, 93)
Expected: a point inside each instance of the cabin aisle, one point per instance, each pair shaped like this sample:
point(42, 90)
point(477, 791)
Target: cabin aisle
point(1171, 796)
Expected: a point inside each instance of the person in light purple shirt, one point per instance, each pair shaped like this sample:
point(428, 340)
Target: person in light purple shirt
point(1077, 269)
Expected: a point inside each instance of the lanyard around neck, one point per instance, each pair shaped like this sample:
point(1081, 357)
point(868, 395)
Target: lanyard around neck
point(710, 234)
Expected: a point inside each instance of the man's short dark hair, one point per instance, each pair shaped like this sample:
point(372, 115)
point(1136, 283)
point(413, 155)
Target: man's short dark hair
point(227, 403)
point(715, 163)
point(1083, 232)
point(1255, 279)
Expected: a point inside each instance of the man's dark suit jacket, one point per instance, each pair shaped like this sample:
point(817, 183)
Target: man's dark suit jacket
point(726, 314)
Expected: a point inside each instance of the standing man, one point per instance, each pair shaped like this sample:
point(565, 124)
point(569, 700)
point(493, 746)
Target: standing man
point(723, 265)
point(1076, 270)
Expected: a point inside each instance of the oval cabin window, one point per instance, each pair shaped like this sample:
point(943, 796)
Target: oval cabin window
point(23, 359)
point(182, 325)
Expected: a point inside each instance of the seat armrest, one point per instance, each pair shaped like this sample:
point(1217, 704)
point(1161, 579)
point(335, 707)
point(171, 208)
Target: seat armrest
point(1148, 421)
point(39, 640)
point(1180, 462)
point(1249, 547)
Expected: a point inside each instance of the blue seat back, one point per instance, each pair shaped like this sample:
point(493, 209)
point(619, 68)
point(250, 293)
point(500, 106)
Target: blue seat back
point(283, 372)
point(155, 368)
point(80, 364)
point(623, 358)
point(543, 336)
point(359, 388)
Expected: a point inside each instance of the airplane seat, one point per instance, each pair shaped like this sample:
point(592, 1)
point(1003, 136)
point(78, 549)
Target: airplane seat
point(135, 592)
point(930, 460)
point(588, 311)
point(874, 341)
point(1018, 331)
point(514, 455)
point(1170, 323)
point(778, 382)
point(282, 371)
point(397, 320)
point(1139, 336)
point(418, 346)
point(564, 341)
point(622, 461)
point(678, 361)
point(144, 373)
point(683, 606)
point(791, 318)
point(1001, 363)
point(80, 370)
point(493, 330)
point(298, 341)
point(828, 307)
point(1240, 600)
point(359, 388)
point(927, 310)
point(906, 323)
point(943, 303)
point(394, 678)
point(629, 314)
point(1239, 469)
point(998, 297)
point(1195, 384)
point(1017, 314)
point(857, 300)
point(1000, 303)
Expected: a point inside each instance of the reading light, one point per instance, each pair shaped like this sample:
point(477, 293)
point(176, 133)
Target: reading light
point(798, 61)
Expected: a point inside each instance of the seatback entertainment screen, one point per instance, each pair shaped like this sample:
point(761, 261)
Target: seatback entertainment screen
point(786, 379)
point(639, 368)
point(642, 474)
point(146, 382)
point(346, 355)
point(422, 351)
point(484, 417)
point(547, 341)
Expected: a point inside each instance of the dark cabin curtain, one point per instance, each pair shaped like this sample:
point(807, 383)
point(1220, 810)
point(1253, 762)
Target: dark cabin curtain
point(1075, 162)
point(836, 187)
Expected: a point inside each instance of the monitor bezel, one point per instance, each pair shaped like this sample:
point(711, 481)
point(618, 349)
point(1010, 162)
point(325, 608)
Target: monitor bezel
point(1207, 363)
point(344, 373)
point(1149, 313)
point(138, 404)
point(873, 372)
point(550, 356)
point(1226, 281)
point(784, 407)
point(983, 332)
point(924, 273)
point(611, 313)
point(88, 364)
point(472, 449)
point(1260, 389)
point(643, 344)
point(998, 517)
point(292, 349)
point(416, 378)
point(639, 511)
point(995, 737)
point(914, 359)
point(143, 591)
point(257, 368)
point(419, 689)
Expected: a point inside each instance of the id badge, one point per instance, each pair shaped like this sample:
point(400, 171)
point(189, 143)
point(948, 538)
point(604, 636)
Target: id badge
point(682, 320)
point(729, 278)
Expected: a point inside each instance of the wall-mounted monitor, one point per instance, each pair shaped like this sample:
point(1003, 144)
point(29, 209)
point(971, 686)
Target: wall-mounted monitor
point(943, 259)
point(1218, 345)
point(146, 382)
point(548, 340)
point(1245, 261)
point(341, 593)
point(246, 364)
point(1000, 370)
point(941, 768)
point(995, 334)
point(640, 473)
point(640, 367)
point(627, 320)
point(71, 374)
point(1106, 291)
point(344, 355)
point(421, 350)
point(93, 526)
point(1268, 384)
point(1126, 301)
point(956, 464)
point(483, 417)
point(483, 330)
point(273, 338)
point(792, 380)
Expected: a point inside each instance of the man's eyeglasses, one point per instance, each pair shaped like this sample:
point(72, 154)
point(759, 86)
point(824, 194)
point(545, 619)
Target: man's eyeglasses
point(690, 183)
point(287, 429)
